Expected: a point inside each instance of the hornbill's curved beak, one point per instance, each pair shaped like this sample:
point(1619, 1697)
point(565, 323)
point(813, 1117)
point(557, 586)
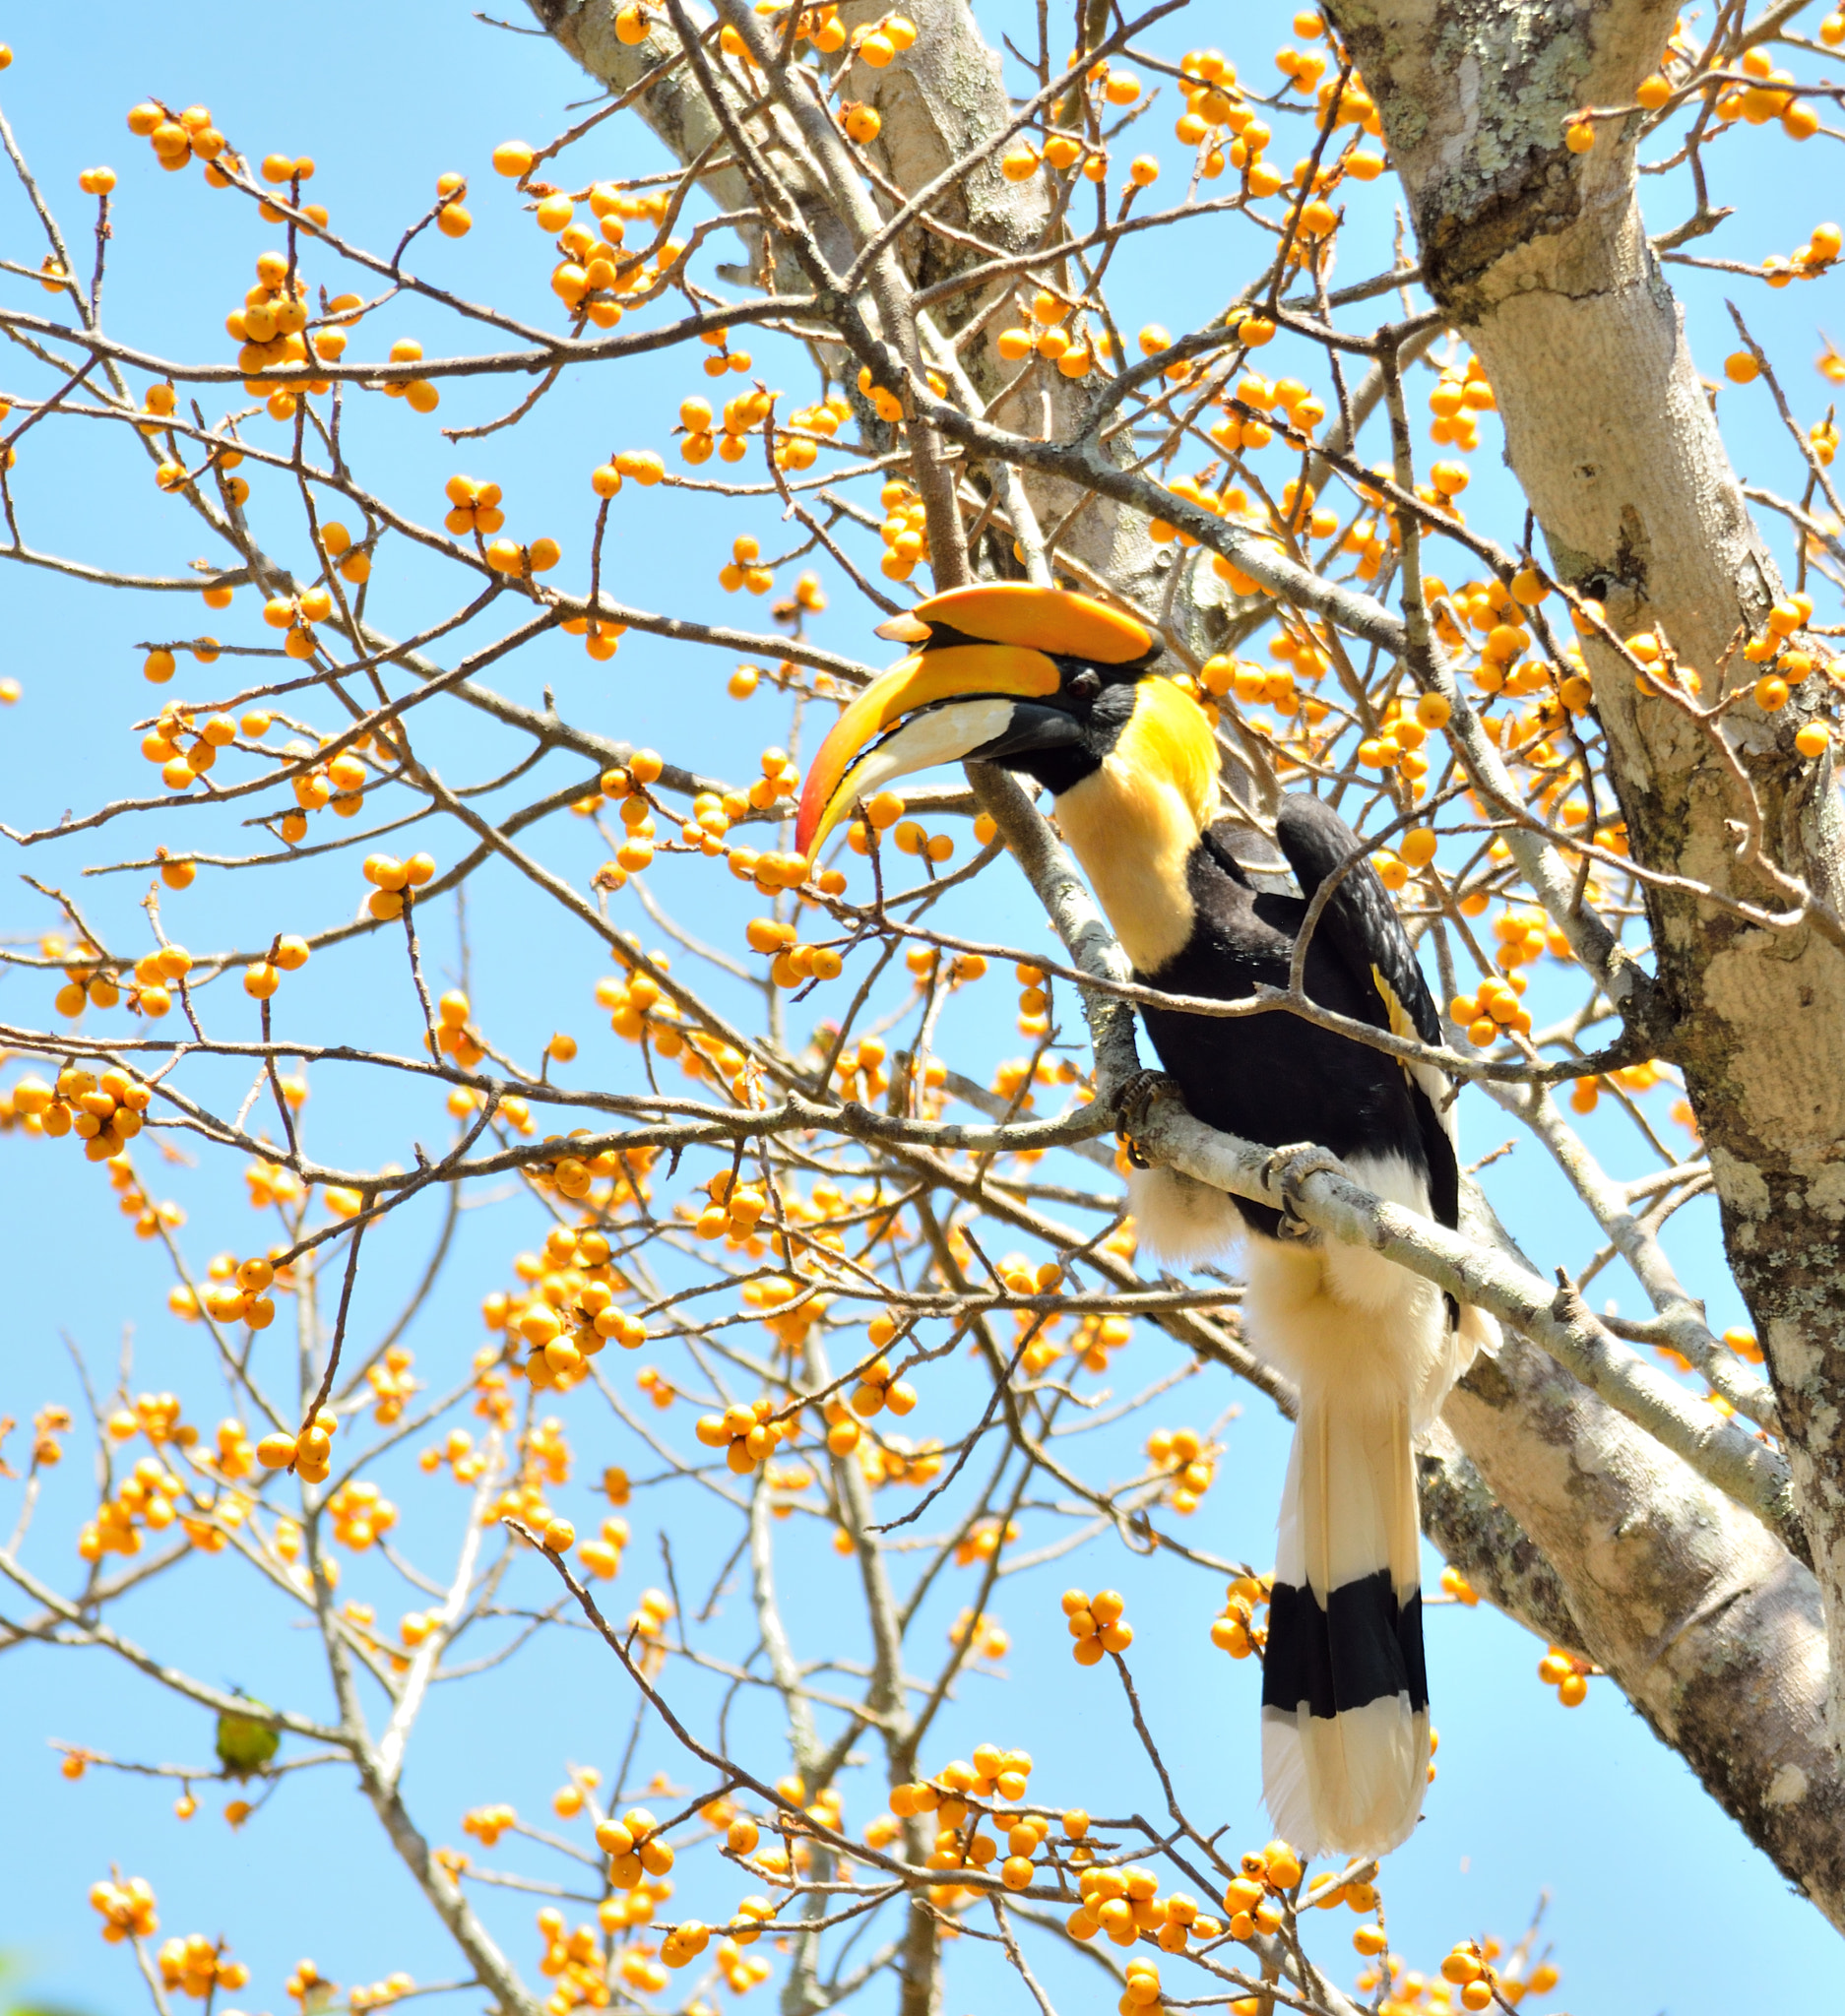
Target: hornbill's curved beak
point(933, 708)
point(985, 683)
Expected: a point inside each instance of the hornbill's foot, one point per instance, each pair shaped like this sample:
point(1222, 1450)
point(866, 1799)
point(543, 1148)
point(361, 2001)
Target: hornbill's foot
point(1286, 1169)
point(1133, 1107)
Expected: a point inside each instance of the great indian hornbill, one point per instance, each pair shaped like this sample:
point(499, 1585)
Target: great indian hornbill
point(1062, 687)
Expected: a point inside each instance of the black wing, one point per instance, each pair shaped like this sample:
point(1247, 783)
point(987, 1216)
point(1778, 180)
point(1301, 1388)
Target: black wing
point(1360, 925)
point(1360, 921)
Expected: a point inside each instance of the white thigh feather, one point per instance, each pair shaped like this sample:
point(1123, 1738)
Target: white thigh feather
point(1180, 1219)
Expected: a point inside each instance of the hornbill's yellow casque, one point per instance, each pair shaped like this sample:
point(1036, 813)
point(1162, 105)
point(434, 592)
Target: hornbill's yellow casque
point(1062, 687)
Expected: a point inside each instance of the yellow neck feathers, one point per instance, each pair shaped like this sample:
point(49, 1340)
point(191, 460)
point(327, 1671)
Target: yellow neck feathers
point(1135, 823)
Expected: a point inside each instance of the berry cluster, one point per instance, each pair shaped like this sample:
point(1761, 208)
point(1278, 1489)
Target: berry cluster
point(1096, 1624)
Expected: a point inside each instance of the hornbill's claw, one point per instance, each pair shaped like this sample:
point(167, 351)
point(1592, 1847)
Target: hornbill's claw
point(1286, 1169)
point(1134, 1104)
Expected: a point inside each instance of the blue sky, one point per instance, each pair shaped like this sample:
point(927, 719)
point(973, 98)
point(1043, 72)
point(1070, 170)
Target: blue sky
point(1586, 1806)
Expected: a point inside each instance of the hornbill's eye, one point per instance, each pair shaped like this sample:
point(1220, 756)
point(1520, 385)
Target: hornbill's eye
point(1085, 685)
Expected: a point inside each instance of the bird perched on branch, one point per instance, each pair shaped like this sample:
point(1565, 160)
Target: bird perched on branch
point(246, 1746)
point(1061, 688)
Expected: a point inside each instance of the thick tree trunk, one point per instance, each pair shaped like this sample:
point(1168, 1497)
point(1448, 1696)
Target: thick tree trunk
point(1540, 257)
point(1705, 1622)
point(1708, 1627)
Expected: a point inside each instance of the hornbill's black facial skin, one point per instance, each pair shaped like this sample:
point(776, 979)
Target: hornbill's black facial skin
point(1063, 740)
point(1061, 689)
